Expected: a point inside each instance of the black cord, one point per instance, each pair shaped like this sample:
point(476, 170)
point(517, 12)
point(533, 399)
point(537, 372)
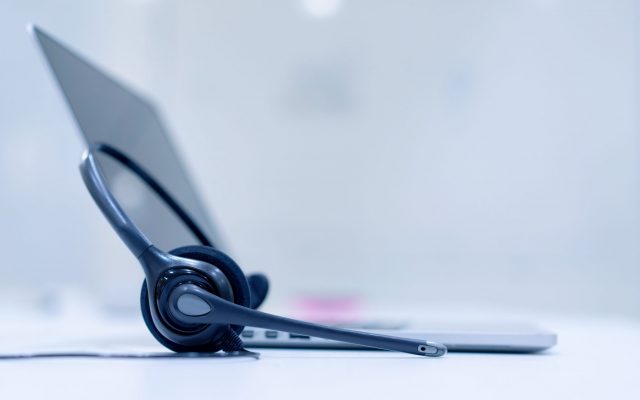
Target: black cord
point(231, 342)
point(92, 354)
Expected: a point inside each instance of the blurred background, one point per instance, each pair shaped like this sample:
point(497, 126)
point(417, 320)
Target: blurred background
point(465, 154)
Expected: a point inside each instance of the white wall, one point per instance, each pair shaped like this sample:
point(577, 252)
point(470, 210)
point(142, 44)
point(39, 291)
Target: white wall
point(430, 152)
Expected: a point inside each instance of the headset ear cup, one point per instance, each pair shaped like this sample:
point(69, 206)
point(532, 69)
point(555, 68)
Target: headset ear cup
point(237, 279)
point(241, 296)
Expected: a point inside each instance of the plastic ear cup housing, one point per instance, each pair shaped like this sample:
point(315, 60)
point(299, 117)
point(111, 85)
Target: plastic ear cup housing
point(214, 334)
point(237, 279)
point(212, 345)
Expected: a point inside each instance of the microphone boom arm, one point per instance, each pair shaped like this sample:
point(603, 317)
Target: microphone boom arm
point(192, 304)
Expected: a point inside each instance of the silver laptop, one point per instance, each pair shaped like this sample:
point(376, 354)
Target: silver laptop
point(109, 112)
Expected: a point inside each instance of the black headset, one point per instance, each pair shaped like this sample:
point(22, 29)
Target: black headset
point(196, 298)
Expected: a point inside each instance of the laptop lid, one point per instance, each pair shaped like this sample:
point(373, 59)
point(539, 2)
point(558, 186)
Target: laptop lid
point(108, 112)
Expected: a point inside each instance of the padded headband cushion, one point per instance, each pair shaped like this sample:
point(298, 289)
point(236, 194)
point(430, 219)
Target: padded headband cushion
point(239, 284)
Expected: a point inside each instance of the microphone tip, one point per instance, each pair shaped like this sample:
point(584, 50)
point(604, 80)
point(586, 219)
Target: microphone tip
point(432, 349)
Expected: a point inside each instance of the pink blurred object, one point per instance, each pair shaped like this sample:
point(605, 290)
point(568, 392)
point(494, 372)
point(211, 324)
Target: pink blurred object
point(329, 310)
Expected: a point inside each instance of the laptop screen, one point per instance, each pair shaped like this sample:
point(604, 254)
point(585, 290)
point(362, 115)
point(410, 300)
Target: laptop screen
point(109, 113)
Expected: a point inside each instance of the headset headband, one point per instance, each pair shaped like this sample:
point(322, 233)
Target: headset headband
point(190, 305)
point(130, 234)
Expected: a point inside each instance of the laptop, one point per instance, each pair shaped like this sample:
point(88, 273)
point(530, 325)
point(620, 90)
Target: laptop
point(109, 112)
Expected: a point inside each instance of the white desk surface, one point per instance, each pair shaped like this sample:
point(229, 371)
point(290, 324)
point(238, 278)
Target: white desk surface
point(594, 359)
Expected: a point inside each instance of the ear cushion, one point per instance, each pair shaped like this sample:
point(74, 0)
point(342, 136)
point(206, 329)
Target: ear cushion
point(239, 284)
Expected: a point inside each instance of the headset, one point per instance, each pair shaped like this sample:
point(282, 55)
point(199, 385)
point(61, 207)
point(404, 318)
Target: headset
point(196, 298)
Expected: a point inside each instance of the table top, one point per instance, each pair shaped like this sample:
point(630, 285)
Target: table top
point(594, 359)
